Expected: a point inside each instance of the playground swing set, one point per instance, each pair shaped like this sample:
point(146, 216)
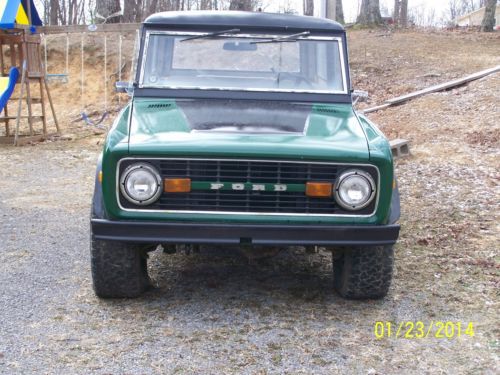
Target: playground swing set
point(20, 42)
point(64, 77)
point(118, 74)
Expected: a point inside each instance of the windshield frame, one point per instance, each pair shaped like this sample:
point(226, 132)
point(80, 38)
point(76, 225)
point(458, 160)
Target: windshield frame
point(262, 36)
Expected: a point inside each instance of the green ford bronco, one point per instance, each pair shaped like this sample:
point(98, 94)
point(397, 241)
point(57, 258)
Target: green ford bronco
point(241, 130)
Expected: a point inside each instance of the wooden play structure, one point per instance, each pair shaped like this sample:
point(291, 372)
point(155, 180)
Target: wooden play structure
point(20, 51)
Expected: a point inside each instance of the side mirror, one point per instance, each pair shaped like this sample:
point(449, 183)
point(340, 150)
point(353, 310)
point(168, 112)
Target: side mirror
point(124, 87)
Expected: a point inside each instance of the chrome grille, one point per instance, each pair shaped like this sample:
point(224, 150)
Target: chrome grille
point(248, 171)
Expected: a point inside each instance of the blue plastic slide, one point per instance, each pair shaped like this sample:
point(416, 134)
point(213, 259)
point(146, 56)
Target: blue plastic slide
point(7, 85)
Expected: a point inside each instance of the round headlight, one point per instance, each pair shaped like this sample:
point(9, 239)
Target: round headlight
point(355, 189)
point(141, 184)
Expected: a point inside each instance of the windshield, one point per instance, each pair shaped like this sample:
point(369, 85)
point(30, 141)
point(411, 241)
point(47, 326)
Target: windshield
point(296, 63)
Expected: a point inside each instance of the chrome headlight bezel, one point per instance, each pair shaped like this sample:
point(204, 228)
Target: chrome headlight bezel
point(345, 176)
point(142, 167)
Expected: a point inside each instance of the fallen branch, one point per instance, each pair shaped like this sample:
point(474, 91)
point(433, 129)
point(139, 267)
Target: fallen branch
point(435, 88)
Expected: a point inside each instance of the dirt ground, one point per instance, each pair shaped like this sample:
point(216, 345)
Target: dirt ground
point(215, 313)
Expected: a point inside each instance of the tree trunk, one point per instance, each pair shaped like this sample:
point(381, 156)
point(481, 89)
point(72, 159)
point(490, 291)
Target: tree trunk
point(488, 23)
point(73, 9)
point(70, 12)
point(152, 7)
point(331, 9)
point(246, 5)
point(339, 14)
point(46, 11)
point(62, 13)
point(133, 10)
point(107, 9)
point(76, 12)
point(395, 14)
point(308, 7)
point(54, 11)
point(205, 4)
point(370, 13)
point(403, 14)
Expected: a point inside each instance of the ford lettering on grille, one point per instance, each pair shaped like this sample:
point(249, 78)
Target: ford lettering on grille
point(247, 186)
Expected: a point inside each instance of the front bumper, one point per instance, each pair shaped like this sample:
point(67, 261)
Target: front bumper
point(195, 233)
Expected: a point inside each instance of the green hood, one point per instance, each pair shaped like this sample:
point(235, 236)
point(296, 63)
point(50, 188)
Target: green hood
point(227, 128)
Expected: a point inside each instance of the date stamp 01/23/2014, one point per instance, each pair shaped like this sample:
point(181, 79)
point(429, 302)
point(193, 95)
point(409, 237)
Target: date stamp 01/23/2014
point(421, 330)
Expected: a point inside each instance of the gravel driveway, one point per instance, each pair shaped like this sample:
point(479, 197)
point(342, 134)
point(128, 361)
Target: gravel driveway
point(214, 314)
point(209, 314)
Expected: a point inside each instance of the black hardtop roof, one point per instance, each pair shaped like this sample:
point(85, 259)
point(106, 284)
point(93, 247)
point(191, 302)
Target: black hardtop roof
point(244, 20)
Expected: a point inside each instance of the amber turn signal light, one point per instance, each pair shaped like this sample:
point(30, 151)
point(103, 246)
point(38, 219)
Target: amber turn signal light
point(319, 189)
point(177, 185)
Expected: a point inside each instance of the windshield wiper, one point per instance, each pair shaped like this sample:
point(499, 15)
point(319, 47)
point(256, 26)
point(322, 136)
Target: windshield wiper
point(210, 35)
point(282, 39)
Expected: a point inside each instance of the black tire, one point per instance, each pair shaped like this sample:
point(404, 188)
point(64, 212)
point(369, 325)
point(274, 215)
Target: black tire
point(364, 272)
point(119, 270)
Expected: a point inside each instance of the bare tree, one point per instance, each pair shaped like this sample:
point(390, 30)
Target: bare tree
point(403, 14)
point(109, 11)
point(369, 13)
point(206, 4)
point(247, 5)
point(488, 23)
point(71, 11)
point(339, 12)
point(46, 11)
point(331, 9)
point(133, 10)
point(397, 8)
point(152, 7)
point(454, 9)
point(308, 6)
point(400, 15)
point(468, 6)
point(457, 8)
point(54, 12)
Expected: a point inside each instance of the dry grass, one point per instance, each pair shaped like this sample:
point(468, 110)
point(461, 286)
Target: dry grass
point(389, 64)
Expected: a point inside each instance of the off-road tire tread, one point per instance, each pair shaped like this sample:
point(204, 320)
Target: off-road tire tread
point(119, 270)
point(364, 272)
